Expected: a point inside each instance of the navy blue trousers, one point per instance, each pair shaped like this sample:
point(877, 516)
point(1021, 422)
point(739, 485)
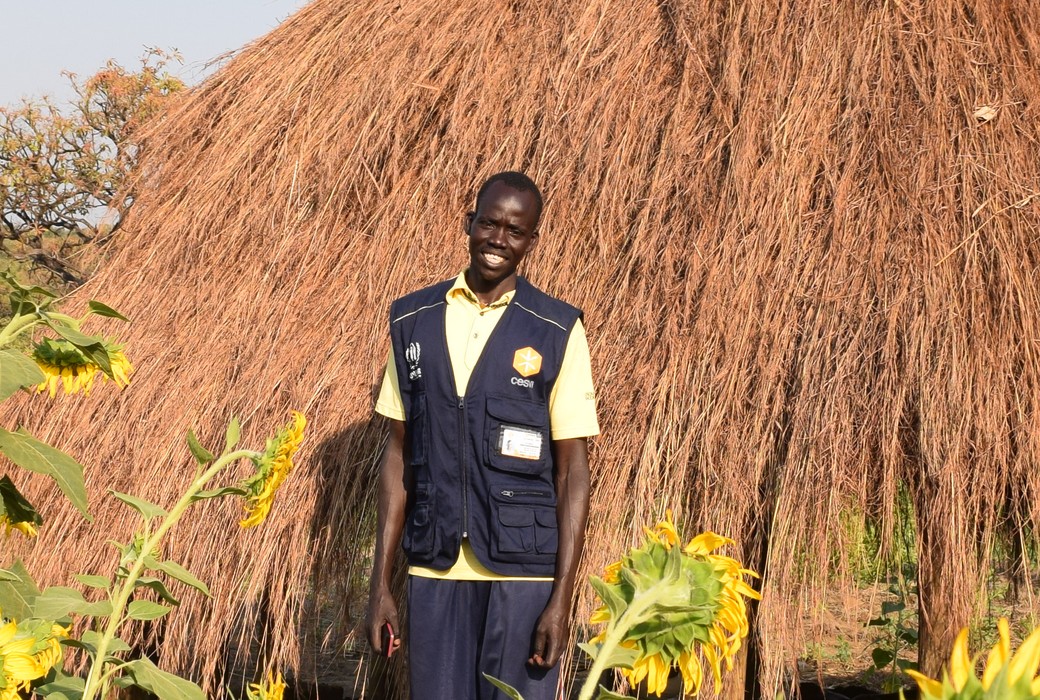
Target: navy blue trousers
point(458, 630)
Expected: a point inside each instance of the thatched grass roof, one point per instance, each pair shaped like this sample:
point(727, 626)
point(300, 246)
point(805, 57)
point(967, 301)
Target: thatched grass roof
point(808, 264)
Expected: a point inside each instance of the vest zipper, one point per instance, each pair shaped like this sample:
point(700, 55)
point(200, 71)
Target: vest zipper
point(462, 463)
point(510, 493)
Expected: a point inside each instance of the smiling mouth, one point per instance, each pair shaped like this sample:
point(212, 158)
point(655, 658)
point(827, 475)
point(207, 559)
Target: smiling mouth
point(492, 258)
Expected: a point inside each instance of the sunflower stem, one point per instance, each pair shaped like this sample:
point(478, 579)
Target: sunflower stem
point(16, 326)
point(615, 636)
point(115, 618)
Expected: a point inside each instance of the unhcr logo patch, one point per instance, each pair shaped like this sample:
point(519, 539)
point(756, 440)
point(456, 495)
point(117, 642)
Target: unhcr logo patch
point(412, 356)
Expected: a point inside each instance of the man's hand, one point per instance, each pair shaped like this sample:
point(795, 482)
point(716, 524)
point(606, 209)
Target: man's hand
point(382, 610)
point(550, 635)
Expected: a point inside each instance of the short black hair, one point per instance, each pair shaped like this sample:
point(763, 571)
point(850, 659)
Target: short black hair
point(518, 181)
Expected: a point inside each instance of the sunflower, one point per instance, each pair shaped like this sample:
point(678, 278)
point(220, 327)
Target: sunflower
point(272, 689)
point(27, 653)
point(689, 604)
point(1005, 676)
point(65, 365)
point(271, 469)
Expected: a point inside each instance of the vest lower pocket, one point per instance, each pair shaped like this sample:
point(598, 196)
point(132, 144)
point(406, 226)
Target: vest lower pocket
point(419, 531)
point(524, 526)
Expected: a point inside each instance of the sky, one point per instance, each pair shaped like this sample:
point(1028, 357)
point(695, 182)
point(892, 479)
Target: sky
point(42, 38)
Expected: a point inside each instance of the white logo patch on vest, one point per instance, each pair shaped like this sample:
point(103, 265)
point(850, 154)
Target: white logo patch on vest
point(412, 356)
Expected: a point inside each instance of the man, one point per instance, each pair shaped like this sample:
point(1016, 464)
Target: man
point(485, 474)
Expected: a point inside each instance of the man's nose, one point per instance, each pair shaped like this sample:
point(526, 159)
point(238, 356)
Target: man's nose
point(498, 236)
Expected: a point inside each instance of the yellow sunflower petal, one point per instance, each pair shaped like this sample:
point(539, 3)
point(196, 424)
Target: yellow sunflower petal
point(1026, 659)
point(21, 666)
point(7, 633)
point(961, 666)
point(692, 674)
point(657, 676)
point(705, 543)
point(665, 531)
point(998, 655)
point(714, 663)
point(929, 686)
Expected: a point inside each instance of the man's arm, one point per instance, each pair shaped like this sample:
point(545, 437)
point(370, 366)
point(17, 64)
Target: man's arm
point(392, 496)
point(571, 458)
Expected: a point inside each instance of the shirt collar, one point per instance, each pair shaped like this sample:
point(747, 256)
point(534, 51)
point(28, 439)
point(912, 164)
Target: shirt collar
point(460, 292)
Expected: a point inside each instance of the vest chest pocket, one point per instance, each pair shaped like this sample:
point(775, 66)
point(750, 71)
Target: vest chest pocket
point(524, 526)
point(419, 531)
point(516, 437)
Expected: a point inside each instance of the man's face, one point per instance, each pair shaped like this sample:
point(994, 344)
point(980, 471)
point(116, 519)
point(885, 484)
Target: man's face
point(502, 230)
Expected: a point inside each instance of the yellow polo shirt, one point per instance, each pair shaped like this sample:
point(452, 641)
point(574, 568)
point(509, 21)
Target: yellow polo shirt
point(572, 403)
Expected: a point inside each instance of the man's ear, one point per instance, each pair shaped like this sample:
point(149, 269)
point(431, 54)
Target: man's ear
point(467, 221)
point(534, 240)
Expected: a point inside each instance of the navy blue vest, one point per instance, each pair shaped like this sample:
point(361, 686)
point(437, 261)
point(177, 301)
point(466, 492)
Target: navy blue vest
point(482, 463)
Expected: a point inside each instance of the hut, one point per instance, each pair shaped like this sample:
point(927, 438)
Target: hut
point(804, 236)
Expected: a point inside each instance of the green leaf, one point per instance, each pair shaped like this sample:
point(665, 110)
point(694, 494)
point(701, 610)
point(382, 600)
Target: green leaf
point(93, 581)
point(14, 506)
point(610, 595)
point(18, 591)
point(234, 431)
point(175, 570)
point(906, 665)
point(17, 371)
point(58, 601)
point(115, 645)
point(80, 644)
point(673, 565)
point(146, 610)
point(96, 307)
point(605, 694)
point(8, 575)
point(167, 686)
point(591, 649)
point(908, 635)
point(202, 455)
point(217, 493)
point(889, 607)
point(881, 657)
point(505, 687)
point(158, 586)
point(13, 283)
point(145, 508)
point(878, 622)
point(89, 345)
point(620, 657)
point(64, 688)
point(36, 456)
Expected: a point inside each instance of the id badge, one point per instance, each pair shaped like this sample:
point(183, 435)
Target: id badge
point(522, 443)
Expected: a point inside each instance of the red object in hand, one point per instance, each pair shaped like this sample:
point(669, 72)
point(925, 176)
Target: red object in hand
point(388, 639)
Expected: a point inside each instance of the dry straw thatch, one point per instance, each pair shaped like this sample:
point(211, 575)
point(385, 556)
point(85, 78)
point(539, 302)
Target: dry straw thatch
point(809, 272)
